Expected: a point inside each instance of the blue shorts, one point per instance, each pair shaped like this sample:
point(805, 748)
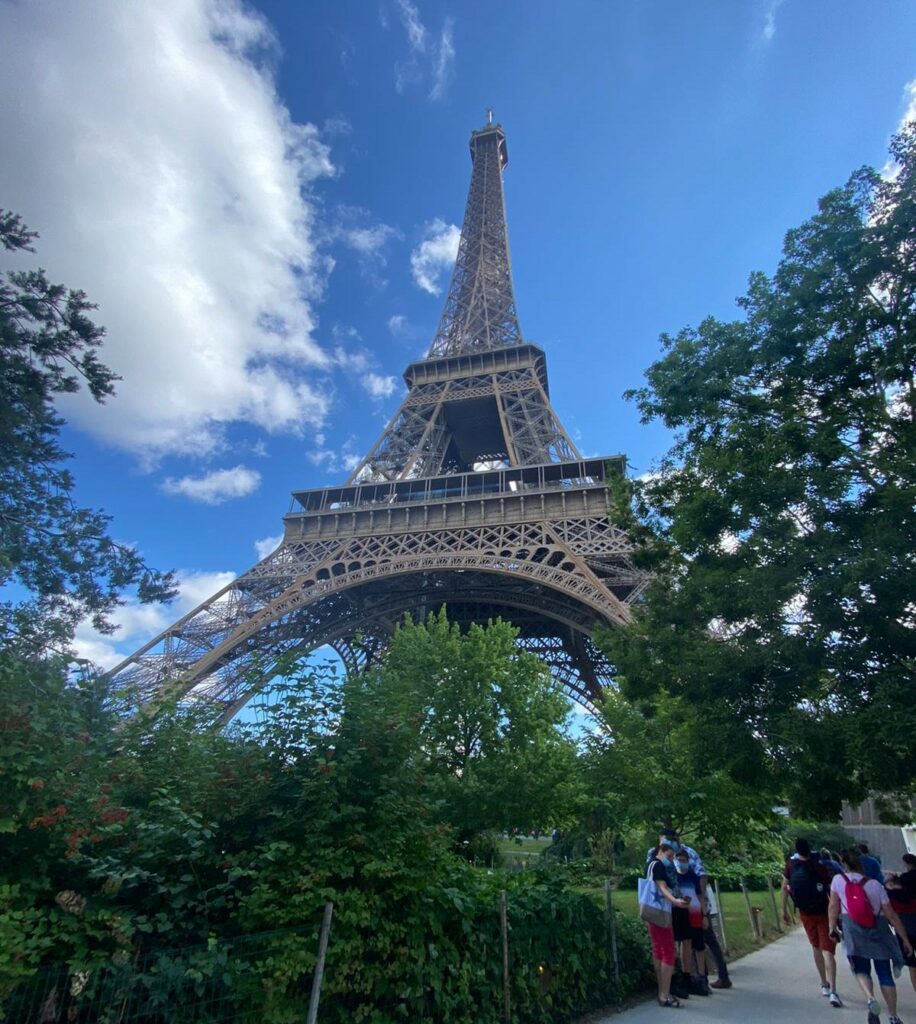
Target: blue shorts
point(862, 965)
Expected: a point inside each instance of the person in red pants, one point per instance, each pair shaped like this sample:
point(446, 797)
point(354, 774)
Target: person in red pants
point(664, 874)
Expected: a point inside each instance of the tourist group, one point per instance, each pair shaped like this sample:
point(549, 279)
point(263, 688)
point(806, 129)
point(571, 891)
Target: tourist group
point(844, 896)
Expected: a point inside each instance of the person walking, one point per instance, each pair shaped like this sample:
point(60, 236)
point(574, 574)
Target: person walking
point(902, 893)
point(860, 912)
point(808, 883)
point(661, 871)
point(871, 866)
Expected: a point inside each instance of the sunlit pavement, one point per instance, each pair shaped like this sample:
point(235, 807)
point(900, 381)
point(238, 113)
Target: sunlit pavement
point(777, 983)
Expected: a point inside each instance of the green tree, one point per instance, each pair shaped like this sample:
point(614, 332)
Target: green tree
point(781, 523)
point(57, 553)
point(490, 724)
point(649, 766)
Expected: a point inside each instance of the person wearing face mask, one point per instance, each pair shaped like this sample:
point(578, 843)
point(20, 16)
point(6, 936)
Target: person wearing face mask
point(689, 926)
point(663, 872)
point(669, 836)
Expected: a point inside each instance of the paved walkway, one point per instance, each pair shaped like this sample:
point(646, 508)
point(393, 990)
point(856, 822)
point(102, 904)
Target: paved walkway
point(775, 985)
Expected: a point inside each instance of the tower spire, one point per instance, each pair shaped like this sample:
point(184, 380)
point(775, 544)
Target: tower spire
point(479, 311)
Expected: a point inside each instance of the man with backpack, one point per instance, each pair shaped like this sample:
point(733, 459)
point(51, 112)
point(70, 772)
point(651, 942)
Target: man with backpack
point(808, 883)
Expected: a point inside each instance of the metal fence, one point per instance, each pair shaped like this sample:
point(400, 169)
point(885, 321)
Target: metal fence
point(221, 981)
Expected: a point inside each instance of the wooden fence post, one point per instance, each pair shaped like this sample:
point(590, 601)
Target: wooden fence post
point(319, 964)
point(773, 902)
point(612, 928)
point(750, 912)
point(504, 930)
point(721, 916)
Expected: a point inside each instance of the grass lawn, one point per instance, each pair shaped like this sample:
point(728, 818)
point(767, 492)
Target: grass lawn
point(523, 848)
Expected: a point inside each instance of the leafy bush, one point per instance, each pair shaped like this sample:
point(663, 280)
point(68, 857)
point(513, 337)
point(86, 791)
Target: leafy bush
point(143, 878)
point(432, 955)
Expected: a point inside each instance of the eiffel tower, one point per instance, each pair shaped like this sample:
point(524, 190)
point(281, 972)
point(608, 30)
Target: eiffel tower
point(474, 497)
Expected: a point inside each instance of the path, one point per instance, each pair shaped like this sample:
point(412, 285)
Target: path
point(775, 985)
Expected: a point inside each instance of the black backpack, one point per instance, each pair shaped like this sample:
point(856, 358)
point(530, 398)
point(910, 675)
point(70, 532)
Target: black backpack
point(807, 888)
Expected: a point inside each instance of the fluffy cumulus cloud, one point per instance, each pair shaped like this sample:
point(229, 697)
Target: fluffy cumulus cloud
point(367, 238)
point(434, 255)
point(909, 94)
point(379, 386)
point(267, 545)
point(137, 623)
point(398, 325)
point(331, 460)
point(430, 59)
point(216, 487)
point(891, 169)
point(167, 180)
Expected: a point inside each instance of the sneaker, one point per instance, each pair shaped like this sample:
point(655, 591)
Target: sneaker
point(894, 1020)
point(874, 1011)
point(721, 983)
point(825, 990)
point(836, 1001)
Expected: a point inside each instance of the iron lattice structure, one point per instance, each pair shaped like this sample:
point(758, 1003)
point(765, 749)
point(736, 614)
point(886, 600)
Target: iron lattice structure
point(474, 497)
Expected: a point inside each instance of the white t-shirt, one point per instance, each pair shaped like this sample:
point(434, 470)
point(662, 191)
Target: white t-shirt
point(874, 890)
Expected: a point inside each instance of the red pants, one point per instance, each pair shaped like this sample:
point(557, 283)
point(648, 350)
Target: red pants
point(662, 943)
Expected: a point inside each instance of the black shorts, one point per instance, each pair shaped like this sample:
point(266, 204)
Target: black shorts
point(683, 932)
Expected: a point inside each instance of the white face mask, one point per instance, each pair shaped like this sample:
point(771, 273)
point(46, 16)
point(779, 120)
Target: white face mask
point(682, 867)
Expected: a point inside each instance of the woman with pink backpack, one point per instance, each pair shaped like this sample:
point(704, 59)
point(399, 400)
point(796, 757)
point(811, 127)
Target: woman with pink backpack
point(861, 912)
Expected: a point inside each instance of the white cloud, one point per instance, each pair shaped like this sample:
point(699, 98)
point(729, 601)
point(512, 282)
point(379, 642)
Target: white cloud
point(216, 487)
point(168, 180)
point(425, 60)
point(331, 460)
point(769, 19)
point(136, 623)
point(444, 62)
point(435, 254)
point(400, 327)
point(266, 545)
point(909, 95)
point(415, 29)
point(379, 386)
point(355, 362)
point(891, 168)
point(369, 241)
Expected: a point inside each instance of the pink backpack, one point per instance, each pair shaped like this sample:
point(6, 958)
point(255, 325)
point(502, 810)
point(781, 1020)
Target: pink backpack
point(858, 905)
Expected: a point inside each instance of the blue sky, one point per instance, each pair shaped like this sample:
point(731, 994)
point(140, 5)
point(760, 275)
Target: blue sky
point(263, 201)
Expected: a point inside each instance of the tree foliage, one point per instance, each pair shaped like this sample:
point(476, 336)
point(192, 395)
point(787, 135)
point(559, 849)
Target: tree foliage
point(652, 767)
point(490, 724)
point(781, 521)
point(130, 852)
point(58, 553)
